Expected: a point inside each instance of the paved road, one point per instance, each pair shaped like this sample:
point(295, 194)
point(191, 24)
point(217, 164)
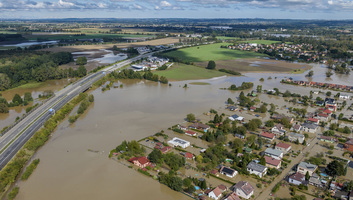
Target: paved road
point(266, 192)
point(17, 136)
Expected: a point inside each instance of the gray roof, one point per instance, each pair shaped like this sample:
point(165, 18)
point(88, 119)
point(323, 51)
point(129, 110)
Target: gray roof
point(273, 152)
point(307, 166)
point(310, 126)
point(297, 135)
point(256, 167)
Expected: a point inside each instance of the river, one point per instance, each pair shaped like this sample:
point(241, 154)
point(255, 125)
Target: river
point(67, 169)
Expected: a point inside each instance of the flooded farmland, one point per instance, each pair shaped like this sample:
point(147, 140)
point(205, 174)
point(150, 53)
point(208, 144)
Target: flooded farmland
point(68, 170)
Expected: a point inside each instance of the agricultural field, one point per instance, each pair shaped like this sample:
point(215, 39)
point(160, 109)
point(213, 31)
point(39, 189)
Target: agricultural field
point(266, 42)
point(179, 72)
point(226, 38)
point(210, 52)
point(87, 36)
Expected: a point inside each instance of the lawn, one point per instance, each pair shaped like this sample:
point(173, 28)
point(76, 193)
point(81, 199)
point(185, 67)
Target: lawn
point(210, 52)
point(179, 72)
point(267, 42)
point(226, 38)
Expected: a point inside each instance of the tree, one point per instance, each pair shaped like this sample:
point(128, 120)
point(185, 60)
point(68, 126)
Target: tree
point(199, 159)
point(28, 97)
point(5, 82)
point(230, 101)
point(81, 71)
point(81, 60)
point(211, 65)
point(263, 109)
point(4, 108)
point(163, 80)
point(269, 123)
point(263, 161)
point(328, 93)
point(190, 117)
point(259, 88)
point(156, 156)
point(335, 168)
point(310, 74)
point(17, 100)
point(91, 98)
point(176, 183)
point(329, 73)
point(307, 176)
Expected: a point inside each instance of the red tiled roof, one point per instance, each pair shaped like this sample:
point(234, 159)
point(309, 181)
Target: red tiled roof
point(283, 145)
point(190, 132)
point(166, 149)
point(232, 196)
point(268, 135)
point(214, 171)
point(222, 187)
point(297, 176)
point(272, 161)
point(132, 159)
point(217, 191)
point(142, 160)
point(313, 119)
point(322, 115)
point(327, 111)
point(189, 155)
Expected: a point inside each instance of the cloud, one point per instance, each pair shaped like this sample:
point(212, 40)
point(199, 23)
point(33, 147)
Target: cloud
point(165, 4)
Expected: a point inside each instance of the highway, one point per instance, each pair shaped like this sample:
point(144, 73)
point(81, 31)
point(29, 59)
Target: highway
point(17, 136)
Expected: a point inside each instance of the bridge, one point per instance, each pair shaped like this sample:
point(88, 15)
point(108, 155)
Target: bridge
point(15, 137)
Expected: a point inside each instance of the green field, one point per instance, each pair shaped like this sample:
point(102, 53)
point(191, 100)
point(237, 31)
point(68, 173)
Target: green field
point(210, 52)
point(179, 72)
point(267, 42)
point(226, 38)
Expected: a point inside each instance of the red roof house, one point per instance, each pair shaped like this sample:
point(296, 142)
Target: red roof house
point(140, 161)
point(267, 135)
point(190, 133)
point(189, 155)
point(272, 163)
point(166, 149)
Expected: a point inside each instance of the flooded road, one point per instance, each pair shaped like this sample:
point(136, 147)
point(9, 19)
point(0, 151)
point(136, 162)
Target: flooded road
point(69, 171)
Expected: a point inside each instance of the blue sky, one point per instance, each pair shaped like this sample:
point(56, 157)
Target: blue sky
point(270, 9)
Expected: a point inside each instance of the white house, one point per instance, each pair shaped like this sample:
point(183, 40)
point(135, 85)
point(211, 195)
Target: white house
point(236, 117)
point(177, 142)
point(296, 136)
point(346, 97)
point(228, 171)
point(278, 129)
point(215, 193)
point(284, 147)
point(257, 169)
point(309, 127)
point(304, 167)
point(276, 154)
point(243, 189)
point(296, 178)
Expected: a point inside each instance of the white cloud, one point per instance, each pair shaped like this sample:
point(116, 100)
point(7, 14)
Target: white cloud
point(165, 4)
point(157, 8)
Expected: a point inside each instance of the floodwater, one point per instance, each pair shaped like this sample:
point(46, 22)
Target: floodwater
point(8, 118)
point(30, 43)
point(102, 56)
point(141, 108)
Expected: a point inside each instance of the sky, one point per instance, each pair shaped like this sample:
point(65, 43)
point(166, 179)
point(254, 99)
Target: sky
point(268, 9)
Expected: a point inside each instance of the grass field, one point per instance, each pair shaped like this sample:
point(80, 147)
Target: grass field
point(87, 36)
point(226, 38)
point(179, 72)
point(210, 52)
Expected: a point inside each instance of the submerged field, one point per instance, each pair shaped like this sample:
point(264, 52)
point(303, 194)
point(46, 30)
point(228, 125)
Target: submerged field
point(210, 52)
point(179, 72)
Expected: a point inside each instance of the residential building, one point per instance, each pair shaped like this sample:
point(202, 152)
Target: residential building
point(296, 137)
point(228, 171)
point(177, 142)
point(184, 128)
point(313, 121)
point(232, 108)
point(141, 162)
point(278, 129)
point(166, 149)
point(309, 127)
point(268, 136)
point(323, 117)
point(257, 169)
point(232, 196)
point(327, 111)
point(276, 154)
point(304, 167)
point(188, 155)
point(280, 117)
point(284, 147)
point(199, 126)
point(349, 145)
point(328, 139)
point(330, 104)
point(315, 180)
point(243, 189)
point(296, 178)
point(297, 128)
point(236, 117)
point(272, 162)
point(191, 133)
point(216, 193)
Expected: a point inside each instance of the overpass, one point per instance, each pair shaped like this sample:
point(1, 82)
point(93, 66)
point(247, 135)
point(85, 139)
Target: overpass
point(13, 140)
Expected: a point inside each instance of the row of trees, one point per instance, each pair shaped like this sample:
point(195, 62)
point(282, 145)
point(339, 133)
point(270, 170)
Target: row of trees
point(131, 74)
point(16, 101)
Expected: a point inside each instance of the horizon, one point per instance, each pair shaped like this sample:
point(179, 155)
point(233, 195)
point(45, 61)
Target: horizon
point(191, 9)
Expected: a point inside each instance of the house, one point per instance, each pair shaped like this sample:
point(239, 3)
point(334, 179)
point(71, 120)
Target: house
point(223, 188)
point(188, 155)
point(304, 167)
point(296, 178)
point(252, 108)
point(184, 128)
point(214, 172)
point(228, 171)
point(320, 103)
point(166, 149)
point(257, 169)
point(311, 128)
point(177, 142)
point(232, 196)
point(276, 154)
point(315, 180)
point(216, 193)
point(232, 108)
point(191, 133)
point(323, 117)
point(278, 129)
point(327, 111)
point(296, 137)
point(313, 121)
point(243, 189)
point(141, 162)
point(328, 139)
point(284, 147)
point(239, 136)
point(297, 128)
point(330, 104)
point(349, 145)
point(199, 126)
point(346, 97)
point(268, 136)
point(272, 162)
point(280, 117)
point(236, 117)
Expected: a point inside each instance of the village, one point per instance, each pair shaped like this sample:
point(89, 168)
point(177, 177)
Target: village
point(251, 149)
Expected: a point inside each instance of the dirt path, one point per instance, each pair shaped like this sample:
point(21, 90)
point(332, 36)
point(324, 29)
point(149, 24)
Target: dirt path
point(267, 191)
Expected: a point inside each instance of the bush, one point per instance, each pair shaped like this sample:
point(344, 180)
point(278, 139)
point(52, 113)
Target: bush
point(30, 169)
point(13, 193)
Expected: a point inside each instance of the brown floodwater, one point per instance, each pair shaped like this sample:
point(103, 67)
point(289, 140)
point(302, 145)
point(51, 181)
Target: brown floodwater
point(69, 171)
